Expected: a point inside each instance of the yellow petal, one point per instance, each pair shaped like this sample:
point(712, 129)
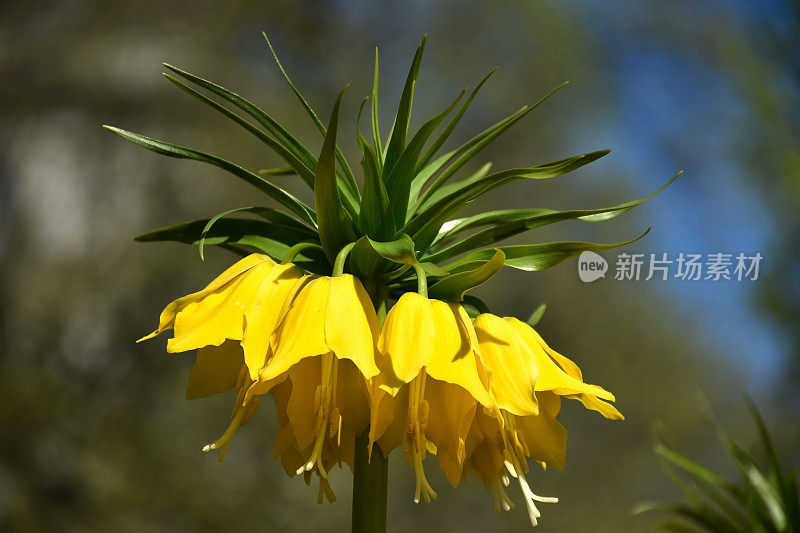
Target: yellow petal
point(406, 341)
point(551, 376)
point(452, 410)
point(486, 460)
point(453, 359)
point(352, 398)
point(167, 317)
point(283, 282)
point(388, 418)
point(510, 363)
point(215, 369)
point(351, 325)
point(219, 315)
point(301, 333)
point(301, 408)
point(591, 402)
point(545, 437)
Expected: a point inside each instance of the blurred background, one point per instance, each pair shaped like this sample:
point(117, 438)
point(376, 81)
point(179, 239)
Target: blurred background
point(95, 433)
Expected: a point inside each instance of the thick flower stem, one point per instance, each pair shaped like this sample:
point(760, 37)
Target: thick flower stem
point(371, 468)
point(370, 476)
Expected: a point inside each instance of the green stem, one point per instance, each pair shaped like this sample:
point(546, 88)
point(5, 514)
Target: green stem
point(341, 257)
point(370, 480)
point(371, 474)
point(292, 252)
point(422, 280)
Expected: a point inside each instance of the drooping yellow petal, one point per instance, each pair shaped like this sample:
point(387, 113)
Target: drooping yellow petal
point(282, 283)
point(406, 341)
point(511, 364)
point(486, 460)
point(452, 410)
point(593, 403)
point(545, 437)
point(352, 399)
point(453, 360)
point(215, 369)
point(219, 315)
point(388, 418)
point(167, 317)
point(351, 325)
point(301, 333)
point(304, 400)
point(551, 376)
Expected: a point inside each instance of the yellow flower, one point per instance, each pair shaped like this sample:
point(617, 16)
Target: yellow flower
point(325, 346)
point(431, 381)
point(242, 304)
point(229, 322)
point(527, 379)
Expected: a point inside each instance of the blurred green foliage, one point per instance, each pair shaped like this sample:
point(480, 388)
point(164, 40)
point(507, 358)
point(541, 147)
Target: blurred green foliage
point(765, 499)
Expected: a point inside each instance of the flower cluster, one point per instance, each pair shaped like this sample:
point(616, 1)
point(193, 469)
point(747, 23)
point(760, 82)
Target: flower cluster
point(481, 395)
point(363, 332)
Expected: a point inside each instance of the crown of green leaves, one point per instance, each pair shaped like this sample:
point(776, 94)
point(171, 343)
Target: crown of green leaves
point(402, 216)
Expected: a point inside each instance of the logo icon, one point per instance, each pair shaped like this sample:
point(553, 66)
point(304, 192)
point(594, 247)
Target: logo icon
point(591, 266)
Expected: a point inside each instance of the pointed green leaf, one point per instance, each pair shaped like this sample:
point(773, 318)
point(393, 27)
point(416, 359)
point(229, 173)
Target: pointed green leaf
point(262, 236)
point(537, 256)
point(397, 140)
point(531, 219)
point(299, 153)
point(376, 130)
point(424, 227)
point(398, 182)
point(272, 215)
point(277, 171)
point(452, 124)
point(375, 212)
point(537, 315)
point(477, 143)
point(349, 181)
point(335, 230)
point(180, 152)
point(453, 287)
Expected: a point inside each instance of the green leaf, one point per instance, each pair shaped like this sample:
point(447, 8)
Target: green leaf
point(262, 236)
point(180, 152)
point(532, 219)
point(376, 130)
point(538, 256)
point(375, 213)
point(398, 251)
point(398, 182)
point(537, 314)
point(451, 125)
point(397, 140)
point(370, 258)
point(272, 215)
point(453, 287)
point(349, 183)
point(277, 171)
point(424, 227)
point(335, 230)
point(477, 143)
point(290, 149)
point(453, 227)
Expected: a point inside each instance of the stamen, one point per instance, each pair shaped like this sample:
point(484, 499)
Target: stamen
point(516, 464)
point(414, 441)
point(322, 406)
point(222, 442)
